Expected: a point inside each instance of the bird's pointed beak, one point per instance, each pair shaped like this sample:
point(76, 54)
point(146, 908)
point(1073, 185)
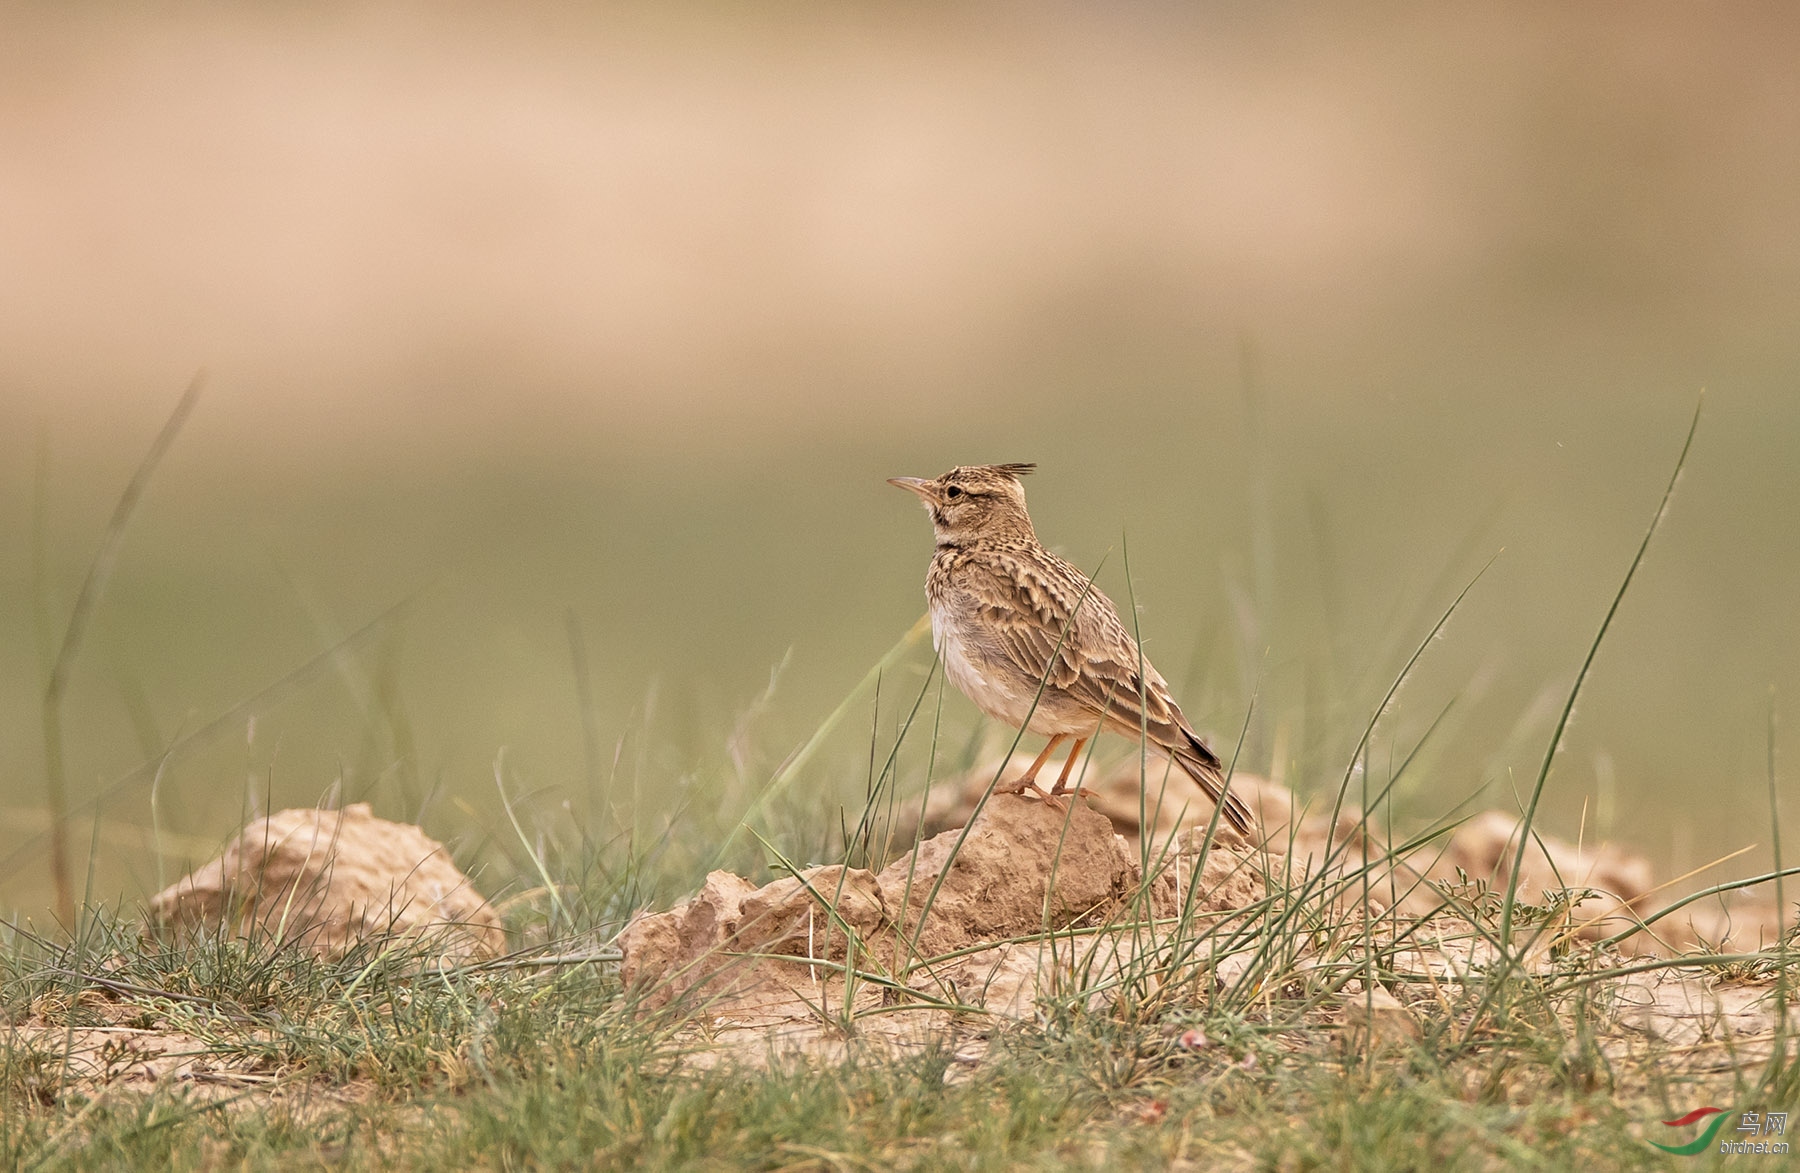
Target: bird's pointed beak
point(915, 485)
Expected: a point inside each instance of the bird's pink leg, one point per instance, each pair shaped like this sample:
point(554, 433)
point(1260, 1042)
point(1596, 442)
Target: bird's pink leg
point(1062, 783)
point(1028, 780)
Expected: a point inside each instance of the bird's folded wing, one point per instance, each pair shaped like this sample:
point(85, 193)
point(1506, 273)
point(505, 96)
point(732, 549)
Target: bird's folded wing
point(1090, 658)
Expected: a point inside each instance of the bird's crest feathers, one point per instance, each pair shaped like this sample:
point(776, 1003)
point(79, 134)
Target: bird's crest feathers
point(989, 475)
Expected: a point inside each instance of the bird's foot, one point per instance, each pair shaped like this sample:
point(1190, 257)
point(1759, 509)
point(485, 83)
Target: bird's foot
point(1062, 790)
point(1022, 785)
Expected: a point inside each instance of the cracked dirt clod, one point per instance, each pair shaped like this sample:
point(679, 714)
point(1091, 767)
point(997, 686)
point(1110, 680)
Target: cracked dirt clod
point(1000, 878)
point(998, 886)
point(789, 916)
point(995, 888)
point(1231, 878)
point(330, 879)
point(669, 954)
point(1301, 839)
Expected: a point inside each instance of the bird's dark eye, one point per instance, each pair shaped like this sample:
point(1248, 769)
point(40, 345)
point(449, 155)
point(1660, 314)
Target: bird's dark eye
point(952, 493)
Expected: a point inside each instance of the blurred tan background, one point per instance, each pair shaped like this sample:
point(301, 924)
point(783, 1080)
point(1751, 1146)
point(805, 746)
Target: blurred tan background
point(627, 312)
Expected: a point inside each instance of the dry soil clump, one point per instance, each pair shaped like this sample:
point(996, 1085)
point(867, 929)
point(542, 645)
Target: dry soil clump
point(946, 919)
point(1608, 888)
point(332, 879)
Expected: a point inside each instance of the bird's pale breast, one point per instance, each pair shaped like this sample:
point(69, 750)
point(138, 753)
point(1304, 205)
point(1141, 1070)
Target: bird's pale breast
point(986, 676)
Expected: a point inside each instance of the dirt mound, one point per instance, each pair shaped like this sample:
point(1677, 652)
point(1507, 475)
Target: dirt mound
point(998, 882)
point(331, 879)
point(1594, 891)
point(1607, 888)
point(1021, 869)
point(1033, 907)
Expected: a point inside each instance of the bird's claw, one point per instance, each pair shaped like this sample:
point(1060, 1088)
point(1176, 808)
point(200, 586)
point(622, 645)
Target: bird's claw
point(1022, 786)
point(1016, 786)
point(1054, 798)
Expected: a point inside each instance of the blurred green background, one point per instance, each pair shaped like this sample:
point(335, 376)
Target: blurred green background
point(625, 314)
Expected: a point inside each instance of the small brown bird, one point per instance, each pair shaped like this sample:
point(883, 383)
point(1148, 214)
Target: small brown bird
point(1009, 617)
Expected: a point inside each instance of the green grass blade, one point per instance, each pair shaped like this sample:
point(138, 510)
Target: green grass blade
point(1562, 720)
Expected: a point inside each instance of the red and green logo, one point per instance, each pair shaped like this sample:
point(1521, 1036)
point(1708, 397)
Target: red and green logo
point(1700, 1143)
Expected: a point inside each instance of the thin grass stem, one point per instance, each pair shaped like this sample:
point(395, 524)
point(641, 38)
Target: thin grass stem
point(1568, 708)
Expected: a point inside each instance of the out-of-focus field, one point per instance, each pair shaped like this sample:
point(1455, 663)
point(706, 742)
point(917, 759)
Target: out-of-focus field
point(627, 315)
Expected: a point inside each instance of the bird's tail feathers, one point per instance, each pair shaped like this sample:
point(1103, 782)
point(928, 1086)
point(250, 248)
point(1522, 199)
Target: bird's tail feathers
point(1202, 765)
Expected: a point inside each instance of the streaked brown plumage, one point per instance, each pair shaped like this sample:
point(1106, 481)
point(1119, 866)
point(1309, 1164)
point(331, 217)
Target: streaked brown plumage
point(1007, 615)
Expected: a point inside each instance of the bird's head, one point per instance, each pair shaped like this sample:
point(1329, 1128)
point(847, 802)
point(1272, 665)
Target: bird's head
point(973, 501)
